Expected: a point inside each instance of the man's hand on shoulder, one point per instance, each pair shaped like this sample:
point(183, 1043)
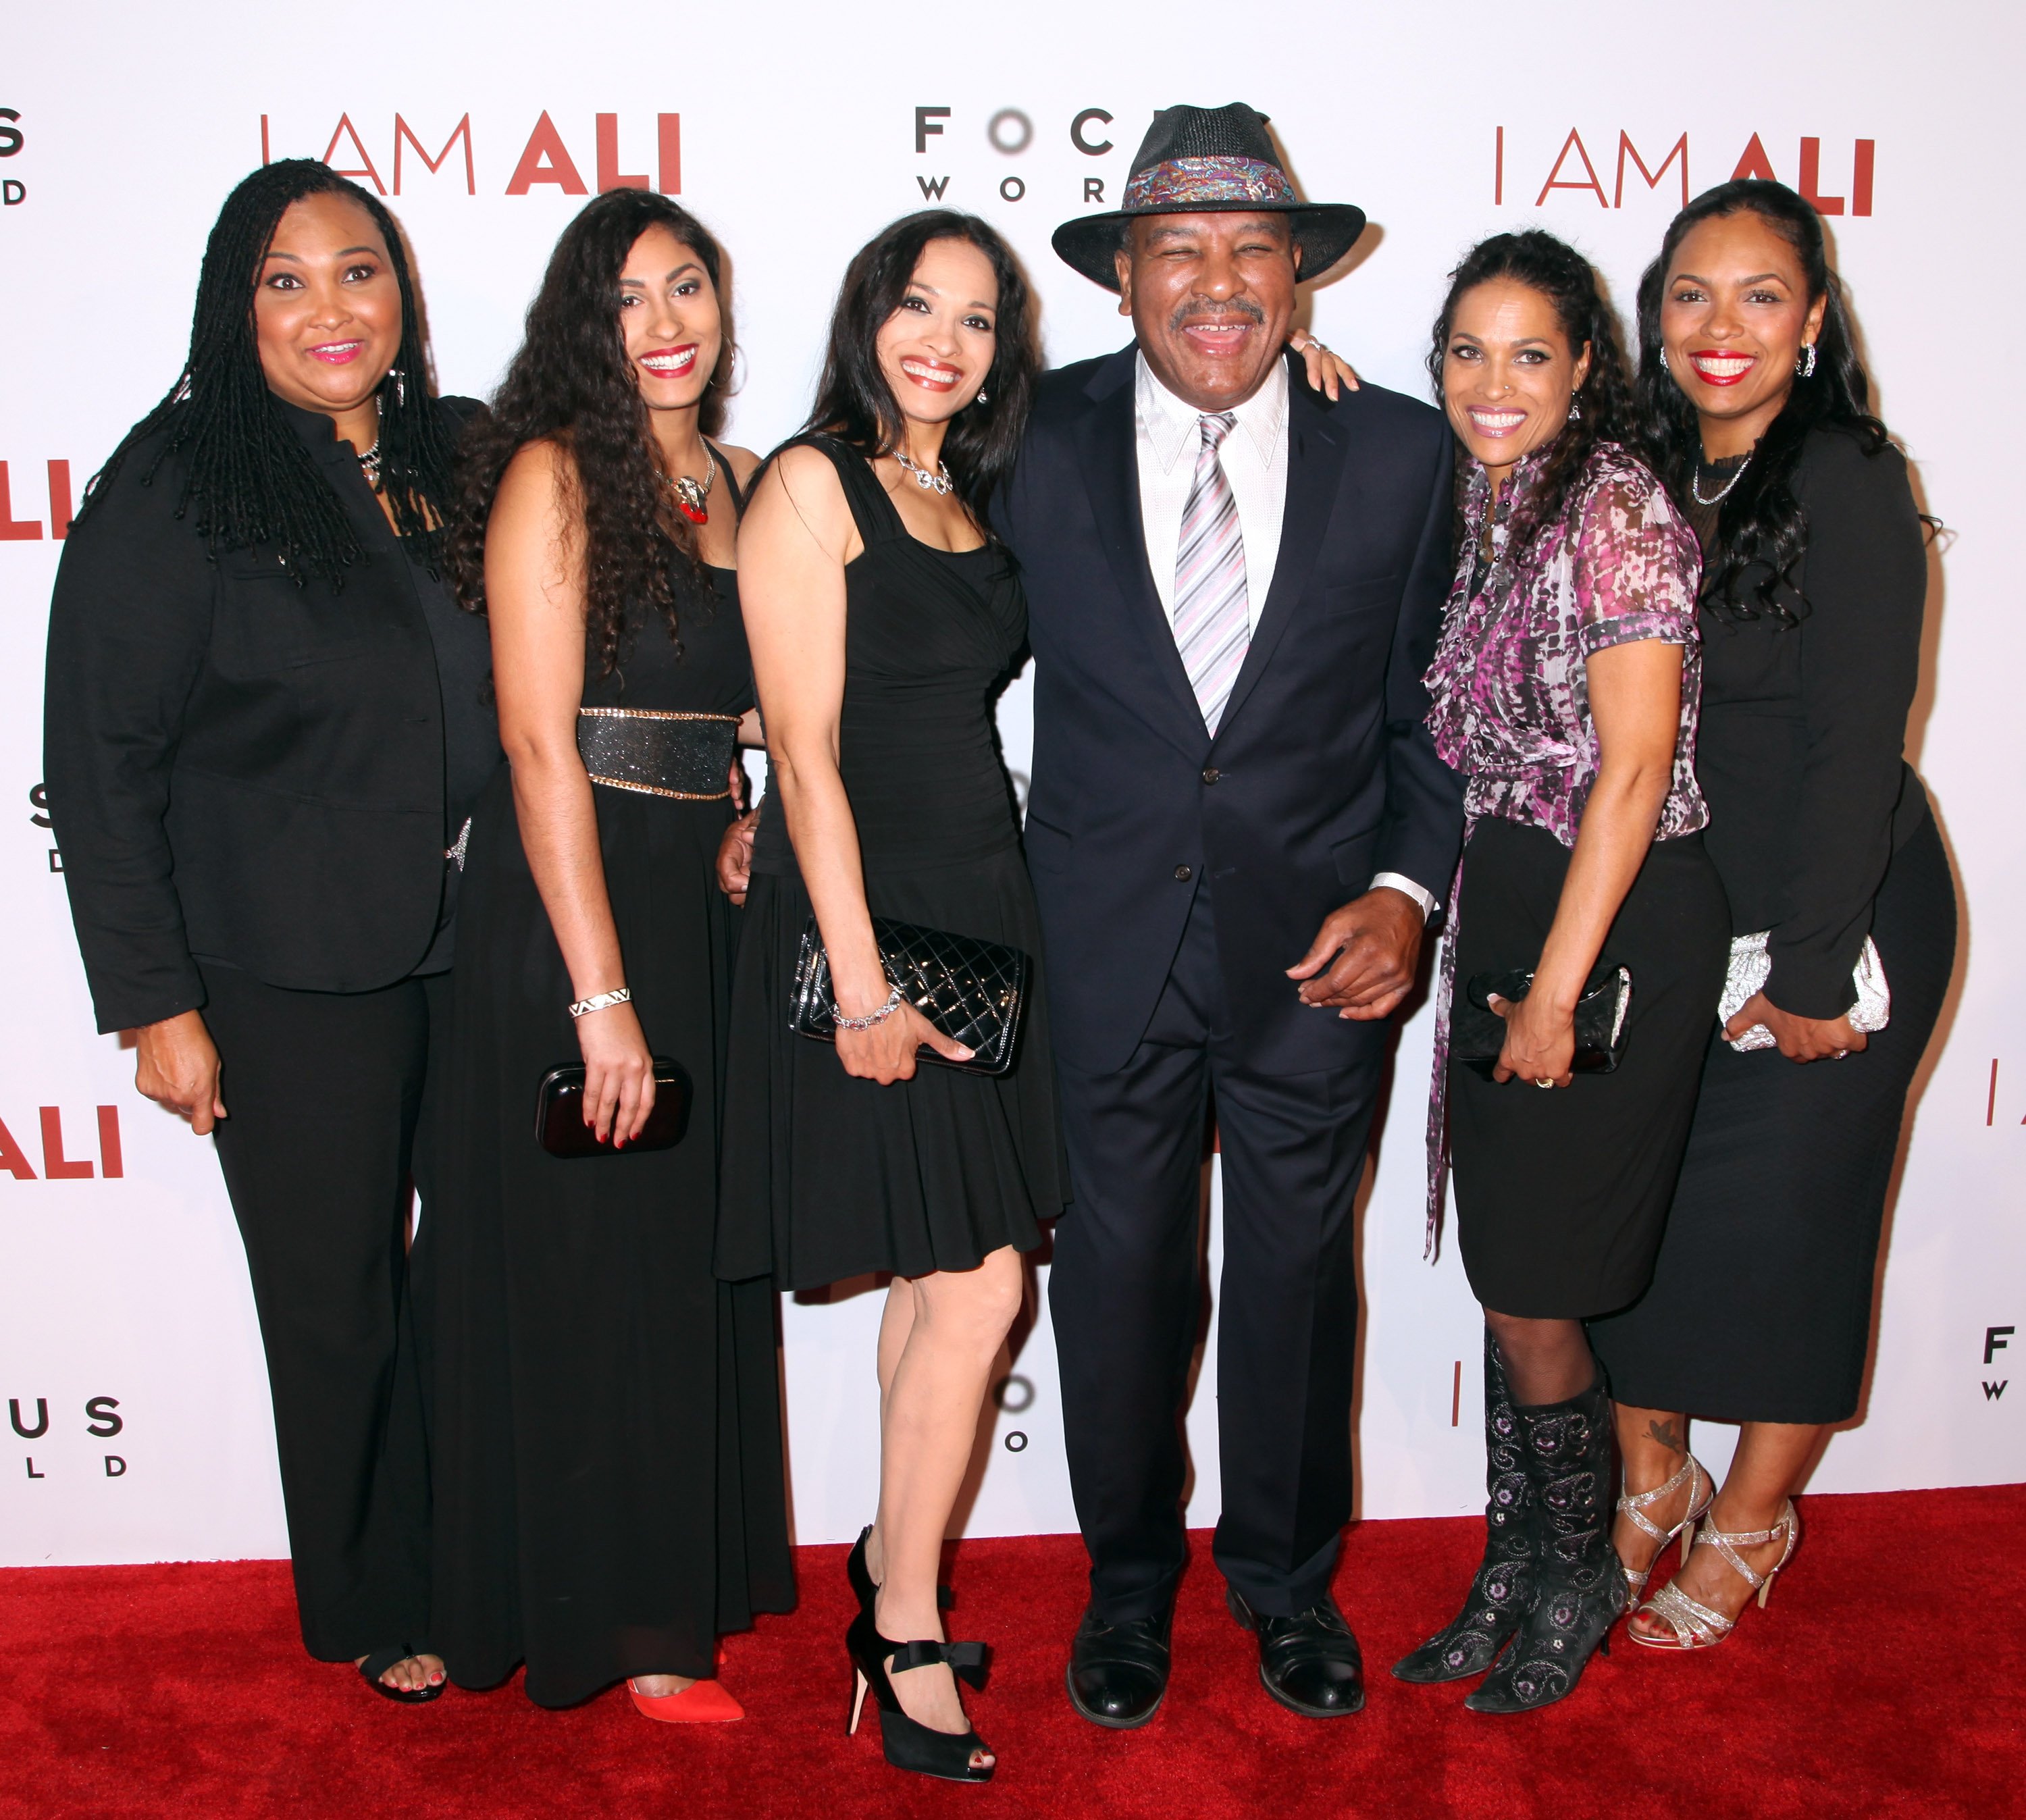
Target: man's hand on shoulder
point(1376, 941)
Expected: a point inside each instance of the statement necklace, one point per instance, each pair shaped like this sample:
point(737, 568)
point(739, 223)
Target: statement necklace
point(692, 497)
point(368, 465)
point(939, 481)
point(1696, 486)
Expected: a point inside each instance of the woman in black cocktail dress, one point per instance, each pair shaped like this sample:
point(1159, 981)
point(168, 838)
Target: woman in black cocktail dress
point(883, 614)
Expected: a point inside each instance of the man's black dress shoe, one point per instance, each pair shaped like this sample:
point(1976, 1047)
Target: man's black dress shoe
point(1311, 1662)
point(1118, 1673)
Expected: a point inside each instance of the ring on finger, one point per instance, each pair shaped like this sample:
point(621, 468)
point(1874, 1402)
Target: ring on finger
point(1544, 1082)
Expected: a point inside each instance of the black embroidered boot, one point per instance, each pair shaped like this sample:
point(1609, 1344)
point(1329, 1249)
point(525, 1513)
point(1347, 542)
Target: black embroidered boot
point(1503, 1591)
point(1579, 1586)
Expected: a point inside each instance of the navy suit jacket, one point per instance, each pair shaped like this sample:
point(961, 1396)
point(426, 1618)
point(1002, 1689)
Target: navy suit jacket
point(1321, 772)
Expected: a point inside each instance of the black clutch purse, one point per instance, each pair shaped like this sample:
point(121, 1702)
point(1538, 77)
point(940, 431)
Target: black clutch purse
point(1477, 1033)
point(559, 1125)
point(973, 990)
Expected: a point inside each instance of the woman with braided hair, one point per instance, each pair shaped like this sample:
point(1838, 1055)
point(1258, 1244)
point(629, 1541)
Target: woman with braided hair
point(266, 724)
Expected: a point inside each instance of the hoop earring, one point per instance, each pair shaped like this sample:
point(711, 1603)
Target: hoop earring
point(400, 384)
point(1575, 411)
point(1806, 365)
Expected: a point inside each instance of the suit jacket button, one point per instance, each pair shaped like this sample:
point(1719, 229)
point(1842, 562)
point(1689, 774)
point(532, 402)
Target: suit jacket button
point(1212, 774)
point(1182, 873)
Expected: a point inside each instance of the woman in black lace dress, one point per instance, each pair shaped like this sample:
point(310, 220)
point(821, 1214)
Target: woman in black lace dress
point(882, 615)
point(608, 1491)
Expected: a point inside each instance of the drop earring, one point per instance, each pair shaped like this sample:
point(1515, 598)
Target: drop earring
point(1664, 359)
point(1575, 411)
point(981, 398)
point(1806, 365)
point(400, 384)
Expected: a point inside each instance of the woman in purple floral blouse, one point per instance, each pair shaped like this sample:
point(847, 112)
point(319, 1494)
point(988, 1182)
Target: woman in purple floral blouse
point(1565, 692)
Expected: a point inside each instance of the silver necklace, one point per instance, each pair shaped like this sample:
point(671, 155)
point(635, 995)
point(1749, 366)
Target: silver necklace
point(368, 465)
point(939, 481)
point(694, 496)
point(1695, 483)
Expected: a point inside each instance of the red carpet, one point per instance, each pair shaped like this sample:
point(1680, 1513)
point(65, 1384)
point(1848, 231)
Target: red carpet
point(1885, 1678)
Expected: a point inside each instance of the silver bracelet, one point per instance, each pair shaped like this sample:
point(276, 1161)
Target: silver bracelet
point(598, 1000)
point(892, 1005)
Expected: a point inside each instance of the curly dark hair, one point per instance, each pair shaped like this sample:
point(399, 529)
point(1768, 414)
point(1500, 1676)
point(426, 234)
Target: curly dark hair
point(854, 403)
point(1569, 283)
point(572, 382)
point(245, 470)
point(1760, 523)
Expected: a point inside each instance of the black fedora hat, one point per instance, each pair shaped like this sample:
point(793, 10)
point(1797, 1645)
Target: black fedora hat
point(1210, 160)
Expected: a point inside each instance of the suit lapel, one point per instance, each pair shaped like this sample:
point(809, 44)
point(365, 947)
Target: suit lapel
point(1315, 450)
point(1109, 452)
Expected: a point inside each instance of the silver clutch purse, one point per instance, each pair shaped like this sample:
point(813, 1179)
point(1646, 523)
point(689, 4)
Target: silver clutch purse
point(1750, 966)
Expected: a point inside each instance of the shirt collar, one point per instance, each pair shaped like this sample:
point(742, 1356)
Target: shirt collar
point(1169, 423)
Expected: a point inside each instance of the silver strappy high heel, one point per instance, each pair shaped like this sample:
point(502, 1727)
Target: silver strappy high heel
point(1702, 1493)
point(1696, 1627)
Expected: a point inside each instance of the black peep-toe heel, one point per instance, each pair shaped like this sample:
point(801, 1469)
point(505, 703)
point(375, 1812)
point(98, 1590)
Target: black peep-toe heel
point(908, 1744)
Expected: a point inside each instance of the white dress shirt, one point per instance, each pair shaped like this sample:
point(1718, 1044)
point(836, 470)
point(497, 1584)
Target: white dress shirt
point(1167, 437)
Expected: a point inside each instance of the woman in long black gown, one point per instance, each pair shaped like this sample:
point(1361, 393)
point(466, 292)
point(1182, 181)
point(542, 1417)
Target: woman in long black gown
point(609, 1488)
point(882, 613)
point(1815, 581)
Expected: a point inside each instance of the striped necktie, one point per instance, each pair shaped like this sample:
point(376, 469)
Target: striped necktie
point(1211, 629)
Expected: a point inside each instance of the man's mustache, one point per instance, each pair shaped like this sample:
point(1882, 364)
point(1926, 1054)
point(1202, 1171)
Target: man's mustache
point(1189, 313)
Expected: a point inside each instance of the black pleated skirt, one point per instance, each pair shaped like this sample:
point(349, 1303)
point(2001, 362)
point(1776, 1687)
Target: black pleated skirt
point(1561, 1196)
point(828, 1177)
point(609, 1495)
point(1760, 1307)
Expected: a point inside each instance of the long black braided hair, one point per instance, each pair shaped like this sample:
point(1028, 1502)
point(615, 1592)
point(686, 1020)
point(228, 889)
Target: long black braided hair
point(246, 472)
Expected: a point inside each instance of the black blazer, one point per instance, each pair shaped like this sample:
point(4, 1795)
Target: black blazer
point(240, 768)
point(1321, 772)
point(1798, 754)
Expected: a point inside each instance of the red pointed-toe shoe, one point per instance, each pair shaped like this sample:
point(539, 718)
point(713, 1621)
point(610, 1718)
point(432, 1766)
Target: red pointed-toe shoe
point(701, 1703)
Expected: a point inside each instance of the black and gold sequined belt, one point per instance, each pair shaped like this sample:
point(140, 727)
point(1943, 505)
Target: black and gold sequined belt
point(659, 752)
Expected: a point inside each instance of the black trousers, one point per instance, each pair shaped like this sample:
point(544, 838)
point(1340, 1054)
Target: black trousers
point(1125, 1294)
point(325, 1093)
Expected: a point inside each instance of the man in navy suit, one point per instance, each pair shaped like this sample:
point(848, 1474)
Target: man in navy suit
point(1238, 828)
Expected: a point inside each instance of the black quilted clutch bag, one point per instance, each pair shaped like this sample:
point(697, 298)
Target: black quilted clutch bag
point(1477, 1033)
point(974, 991)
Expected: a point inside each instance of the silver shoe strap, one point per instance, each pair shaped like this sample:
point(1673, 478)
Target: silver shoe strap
point(1727, 1543)
point(1635, 1505)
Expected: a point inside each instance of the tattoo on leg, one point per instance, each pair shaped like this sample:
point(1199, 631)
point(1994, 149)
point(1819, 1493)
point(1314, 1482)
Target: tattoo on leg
point(1667, 1435)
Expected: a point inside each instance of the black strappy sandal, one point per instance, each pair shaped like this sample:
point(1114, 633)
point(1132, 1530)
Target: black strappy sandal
point(380, 1660)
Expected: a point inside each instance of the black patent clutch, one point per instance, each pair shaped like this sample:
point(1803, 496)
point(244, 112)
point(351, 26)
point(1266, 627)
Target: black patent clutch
point(559, 1125)
point(1477, 1033)
point(973, 990)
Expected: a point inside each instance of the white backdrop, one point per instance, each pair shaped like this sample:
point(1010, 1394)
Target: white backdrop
point(793, 129)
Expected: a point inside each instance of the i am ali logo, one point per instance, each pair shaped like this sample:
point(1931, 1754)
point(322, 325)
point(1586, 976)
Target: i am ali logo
point(1526, 173)
point(386, 157)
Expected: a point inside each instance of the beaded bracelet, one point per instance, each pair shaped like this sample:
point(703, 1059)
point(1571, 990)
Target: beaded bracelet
point(599, 1000)
point(892, 1005)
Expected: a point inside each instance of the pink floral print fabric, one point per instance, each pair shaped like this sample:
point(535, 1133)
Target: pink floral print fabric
point(1511, 700)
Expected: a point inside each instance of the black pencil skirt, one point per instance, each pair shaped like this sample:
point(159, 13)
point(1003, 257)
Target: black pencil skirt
point(1760, 1307)
point(1561, 1197)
